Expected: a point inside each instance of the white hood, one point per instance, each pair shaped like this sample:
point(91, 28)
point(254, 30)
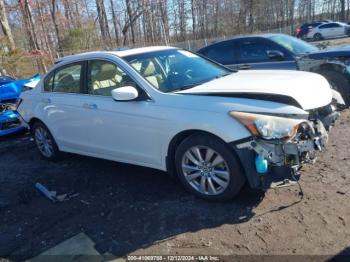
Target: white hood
point(308, 89)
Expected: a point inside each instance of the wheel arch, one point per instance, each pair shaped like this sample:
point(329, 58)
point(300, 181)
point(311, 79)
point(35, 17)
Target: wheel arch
point(34, 120)
point(329, 66)
point(176, 141)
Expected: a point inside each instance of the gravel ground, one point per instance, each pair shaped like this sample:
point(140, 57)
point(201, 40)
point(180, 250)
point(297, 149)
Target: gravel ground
point(127, 209)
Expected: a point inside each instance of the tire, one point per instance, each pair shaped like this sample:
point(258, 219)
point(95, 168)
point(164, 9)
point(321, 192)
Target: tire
point(44, 141)
point(226, 176)
point(338, 82)
point(318, 37)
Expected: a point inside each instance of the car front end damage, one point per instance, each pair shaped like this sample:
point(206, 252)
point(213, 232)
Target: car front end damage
point(10, 123)
point(268, 157)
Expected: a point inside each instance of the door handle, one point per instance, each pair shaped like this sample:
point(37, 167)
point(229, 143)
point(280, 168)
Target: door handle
point(89, 106)
point(46, 100)
point(245, 67)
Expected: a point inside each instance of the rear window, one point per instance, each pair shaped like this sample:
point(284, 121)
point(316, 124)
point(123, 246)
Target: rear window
point(65, 79)
point(221, 53)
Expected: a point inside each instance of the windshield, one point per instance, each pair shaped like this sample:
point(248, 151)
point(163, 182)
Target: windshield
point(293, 44)
point(174, 69)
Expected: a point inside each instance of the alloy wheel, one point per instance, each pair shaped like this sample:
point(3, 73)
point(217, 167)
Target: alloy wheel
point(205, 170)
point(44, 141)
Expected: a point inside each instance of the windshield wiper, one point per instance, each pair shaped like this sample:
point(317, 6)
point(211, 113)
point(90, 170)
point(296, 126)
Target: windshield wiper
point(187, 87)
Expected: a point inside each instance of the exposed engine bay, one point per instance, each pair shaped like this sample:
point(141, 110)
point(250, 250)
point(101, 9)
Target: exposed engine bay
point(290, 154)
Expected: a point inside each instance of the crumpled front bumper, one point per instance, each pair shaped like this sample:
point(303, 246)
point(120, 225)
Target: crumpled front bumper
point(280, 154)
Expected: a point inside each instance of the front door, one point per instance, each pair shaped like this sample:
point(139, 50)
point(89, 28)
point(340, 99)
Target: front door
point(253, 53)
point(125, 131)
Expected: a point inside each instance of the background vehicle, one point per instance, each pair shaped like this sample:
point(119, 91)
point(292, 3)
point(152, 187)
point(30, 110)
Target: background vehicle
point(279, 51)
point(303, 30)
point(10, 90)
point(172, 110)
point(328, 30)
point(6, 79)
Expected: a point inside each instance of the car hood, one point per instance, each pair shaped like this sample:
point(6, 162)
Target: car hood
point(332, 52)
point(309, 90)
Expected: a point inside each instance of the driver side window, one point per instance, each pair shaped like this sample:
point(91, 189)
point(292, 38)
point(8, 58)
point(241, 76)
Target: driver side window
point(104, 76)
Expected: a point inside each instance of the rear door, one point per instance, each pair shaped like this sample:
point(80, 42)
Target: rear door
point(223, 53)
point(329, 30)
point(339, 29)
point(60, 105)
point(253, 53)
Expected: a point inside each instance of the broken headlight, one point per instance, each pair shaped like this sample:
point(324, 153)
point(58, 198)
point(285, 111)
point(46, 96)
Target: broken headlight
point(268, 127)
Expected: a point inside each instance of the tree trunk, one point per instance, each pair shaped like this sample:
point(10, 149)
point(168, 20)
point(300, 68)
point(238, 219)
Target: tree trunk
point(164, 16)
point(29, 25)
point(193, 18)
point(342, 10)
point(115, 24)
point(131, 23)
point(5, 26)
point(44, 30)
point(55, 23)
point(102, 19)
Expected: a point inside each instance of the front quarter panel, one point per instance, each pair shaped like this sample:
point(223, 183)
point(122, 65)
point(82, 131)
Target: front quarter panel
point(218, 124)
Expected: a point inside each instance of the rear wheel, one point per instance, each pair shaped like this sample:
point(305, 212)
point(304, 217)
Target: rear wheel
point(208, 168)
point(318, 37)
point(44, 141)
point(338, 82)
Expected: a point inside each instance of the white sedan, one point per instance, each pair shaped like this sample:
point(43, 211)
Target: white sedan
point(172, 110)
point(328, 30)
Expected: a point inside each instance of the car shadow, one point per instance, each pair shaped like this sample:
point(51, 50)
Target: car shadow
point(121, 207)
point(343, 256)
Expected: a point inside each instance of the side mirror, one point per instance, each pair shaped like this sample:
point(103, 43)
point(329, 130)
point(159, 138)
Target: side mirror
point(275, 55)
point(125, 93)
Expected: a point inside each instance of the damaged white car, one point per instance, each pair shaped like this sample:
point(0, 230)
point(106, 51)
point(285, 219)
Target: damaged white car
point(172, 110)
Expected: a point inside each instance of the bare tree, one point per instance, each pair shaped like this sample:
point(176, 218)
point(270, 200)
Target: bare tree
point(56, 26)
point(5, 26)
point(133, 15)
point(29, 24)
point(342, 10)
point(102, 19)
point(115, 24)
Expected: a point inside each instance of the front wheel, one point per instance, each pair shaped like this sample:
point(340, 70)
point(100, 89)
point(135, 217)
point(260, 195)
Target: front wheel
point(208, 168)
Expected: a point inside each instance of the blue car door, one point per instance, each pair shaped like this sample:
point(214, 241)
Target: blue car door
point(260, 53)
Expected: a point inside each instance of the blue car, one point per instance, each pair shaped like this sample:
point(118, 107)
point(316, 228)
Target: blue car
point(10, 89)
point(9, 123)
point(283, 52)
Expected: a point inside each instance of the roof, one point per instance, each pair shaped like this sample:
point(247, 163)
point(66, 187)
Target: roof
point(123, 53)
point(136, 51)
point(266, 35)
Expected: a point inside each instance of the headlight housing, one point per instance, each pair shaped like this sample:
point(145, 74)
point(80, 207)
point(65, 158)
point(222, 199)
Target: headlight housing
point(268, 127)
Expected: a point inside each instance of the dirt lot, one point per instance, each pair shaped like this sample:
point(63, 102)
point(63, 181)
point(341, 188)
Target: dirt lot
point(133, 210)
